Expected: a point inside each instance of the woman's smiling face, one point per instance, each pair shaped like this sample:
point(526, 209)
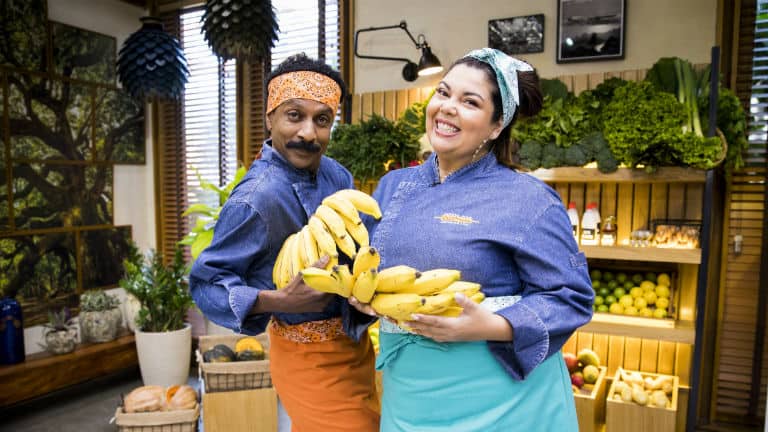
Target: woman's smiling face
point(459, 113)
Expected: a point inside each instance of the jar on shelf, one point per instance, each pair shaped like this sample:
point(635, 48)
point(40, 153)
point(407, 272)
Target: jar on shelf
point(608, 231)
point(11, 332)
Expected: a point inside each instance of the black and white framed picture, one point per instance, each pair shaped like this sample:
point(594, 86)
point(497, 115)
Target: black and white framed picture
point(590, 30)
point(517, 35)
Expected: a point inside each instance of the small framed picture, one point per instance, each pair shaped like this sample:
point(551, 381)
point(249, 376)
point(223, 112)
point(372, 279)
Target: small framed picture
point(517, 35)
point(590, 30)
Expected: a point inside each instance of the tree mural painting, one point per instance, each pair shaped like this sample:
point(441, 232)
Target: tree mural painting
point(119, 131)
point(40, 271)
point(23, 34)
point(102, 252)
point(83, 54)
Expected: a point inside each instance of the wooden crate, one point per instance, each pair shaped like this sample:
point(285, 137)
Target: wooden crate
point(623, 416)
point(241, 411)
point(590, 406)
point(242, 375)
point(159, 421)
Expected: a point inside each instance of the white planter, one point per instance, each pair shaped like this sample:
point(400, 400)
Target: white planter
point(164, 357)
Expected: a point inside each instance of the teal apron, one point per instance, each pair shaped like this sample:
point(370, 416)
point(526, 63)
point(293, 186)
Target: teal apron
point(460, 387)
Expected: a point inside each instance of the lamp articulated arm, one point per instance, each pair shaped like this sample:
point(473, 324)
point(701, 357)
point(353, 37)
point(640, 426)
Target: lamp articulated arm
point(411, 69)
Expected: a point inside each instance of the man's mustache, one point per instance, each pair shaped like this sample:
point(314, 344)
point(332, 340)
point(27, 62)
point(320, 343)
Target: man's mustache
point(304, 145)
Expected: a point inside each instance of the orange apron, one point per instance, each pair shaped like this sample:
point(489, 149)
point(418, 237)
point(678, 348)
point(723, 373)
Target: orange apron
point(325, 380)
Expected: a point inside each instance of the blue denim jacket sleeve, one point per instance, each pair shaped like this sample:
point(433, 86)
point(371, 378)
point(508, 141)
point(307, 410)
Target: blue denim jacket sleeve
point(240, 239)
point(556, 294)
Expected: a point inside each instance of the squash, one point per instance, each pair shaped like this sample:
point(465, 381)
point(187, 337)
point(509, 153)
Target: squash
point(248, 343)
point(180, 397)
point(250, 355)
point(145, 399)
point(219, 354)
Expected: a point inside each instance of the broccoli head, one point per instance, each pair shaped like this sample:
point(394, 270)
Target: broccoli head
point(606, 163)
point(552, 155)
point(530, 153)
point(574, 156)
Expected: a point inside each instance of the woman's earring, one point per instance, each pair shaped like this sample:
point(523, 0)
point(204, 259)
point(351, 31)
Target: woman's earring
point(480, 147)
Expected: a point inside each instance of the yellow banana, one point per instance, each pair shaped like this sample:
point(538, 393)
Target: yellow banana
point(398, 306)
point(344, 207)
point(334, 261)
point(467, 288)
point(322, 280)
point(345, 244)
point(437, 303)
point(451, 311)
point(325, 243)
point(357, 230)
point(301, 251)
point(477, 297)
point(276, 269)
point(310, 246)
point(286, 266)
point(344, 276)
point(367, 258)
point(365, 286)
point(432, 281)
point(397, 279)
point(294, 256)
point(362, 201)
point(332, 220)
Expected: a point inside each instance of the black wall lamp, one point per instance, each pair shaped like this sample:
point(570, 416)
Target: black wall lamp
point(428, 64)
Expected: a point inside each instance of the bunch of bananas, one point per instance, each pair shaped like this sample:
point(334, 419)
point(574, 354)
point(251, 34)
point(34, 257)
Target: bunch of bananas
point(396, 292)
point(335, 226)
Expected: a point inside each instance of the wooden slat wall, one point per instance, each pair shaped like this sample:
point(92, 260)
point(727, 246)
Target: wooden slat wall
point(252, 115)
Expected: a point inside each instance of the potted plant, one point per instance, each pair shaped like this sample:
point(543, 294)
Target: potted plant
point(100, 316)
point(163, 338)
point(59, 333)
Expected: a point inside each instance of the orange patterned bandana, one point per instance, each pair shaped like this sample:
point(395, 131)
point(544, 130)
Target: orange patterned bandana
point(303, 85)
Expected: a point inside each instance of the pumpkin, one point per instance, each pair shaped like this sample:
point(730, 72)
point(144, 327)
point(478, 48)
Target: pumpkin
point(180, 397)
point(145, 399)
point(248, 344)
point(250, 355)
point(218, 354)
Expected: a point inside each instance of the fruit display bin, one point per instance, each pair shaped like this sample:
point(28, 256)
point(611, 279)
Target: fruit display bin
point(590, 403)
point(158, 421)
point(623, 416)
point(229, 376)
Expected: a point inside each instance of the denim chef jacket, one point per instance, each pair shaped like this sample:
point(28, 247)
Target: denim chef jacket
point(507, 231)
point(273, 200)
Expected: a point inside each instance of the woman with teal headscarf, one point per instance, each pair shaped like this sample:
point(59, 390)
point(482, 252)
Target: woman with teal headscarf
point(497, 366)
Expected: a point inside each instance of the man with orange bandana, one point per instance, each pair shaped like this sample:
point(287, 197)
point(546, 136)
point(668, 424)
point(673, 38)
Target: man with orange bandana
point(321, 365)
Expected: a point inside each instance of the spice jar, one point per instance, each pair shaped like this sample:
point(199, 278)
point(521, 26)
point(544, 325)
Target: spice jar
point(608, 232)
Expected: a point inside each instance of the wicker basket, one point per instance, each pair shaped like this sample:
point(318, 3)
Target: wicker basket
point(241, 375)
point(160, 421)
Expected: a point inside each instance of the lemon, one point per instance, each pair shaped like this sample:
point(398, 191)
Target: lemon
point(659, 313)
point(663, 279)
point(631, 311)
point(616, 308)
point(626, 300)
point(636, 292)
point(640, 303)
point(650, 298)
point(647, 285)
point(646, 312)
point(662, 303)
point(662, 291)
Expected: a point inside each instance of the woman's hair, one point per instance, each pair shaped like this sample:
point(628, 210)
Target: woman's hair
point(531, 100)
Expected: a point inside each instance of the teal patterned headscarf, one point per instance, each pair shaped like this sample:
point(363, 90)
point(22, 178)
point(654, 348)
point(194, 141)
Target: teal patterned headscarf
point(506, 68)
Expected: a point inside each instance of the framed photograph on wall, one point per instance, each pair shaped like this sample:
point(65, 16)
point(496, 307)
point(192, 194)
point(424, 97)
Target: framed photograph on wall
point(517, 35)
point(590, 30)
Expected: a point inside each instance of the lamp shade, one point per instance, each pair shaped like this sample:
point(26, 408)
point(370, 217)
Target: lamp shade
point(429, 64)
point(241, 29)
point(151, 64)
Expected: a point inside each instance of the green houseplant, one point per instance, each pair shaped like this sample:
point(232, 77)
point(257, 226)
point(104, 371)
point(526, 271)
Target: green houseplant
point(100, 316)
point(163, 338)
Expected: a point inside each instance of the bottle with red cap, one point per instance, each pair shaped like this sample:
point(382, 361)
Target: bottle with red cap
point(590, 225)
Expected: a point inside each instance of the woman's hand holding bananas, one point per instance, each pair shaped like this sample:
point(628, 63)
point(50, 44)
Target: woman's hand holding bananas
point(474, 323)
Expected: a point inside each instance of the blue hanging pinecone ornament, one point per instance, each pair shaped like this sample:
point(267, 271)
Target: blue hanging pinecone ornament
point(240, 29)
point(151, 64)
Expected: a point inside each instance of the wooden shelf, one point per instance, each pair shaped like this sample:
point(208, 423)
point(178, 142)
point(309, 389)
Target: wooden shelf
point(639, 327)
point(652, 254)
point(43, 373)
point(622, 175)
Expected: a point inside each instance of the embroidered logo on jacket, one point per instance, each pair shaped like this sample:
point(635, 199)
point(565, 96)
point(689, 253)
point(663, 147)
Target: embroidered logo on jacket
point(452, 218)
